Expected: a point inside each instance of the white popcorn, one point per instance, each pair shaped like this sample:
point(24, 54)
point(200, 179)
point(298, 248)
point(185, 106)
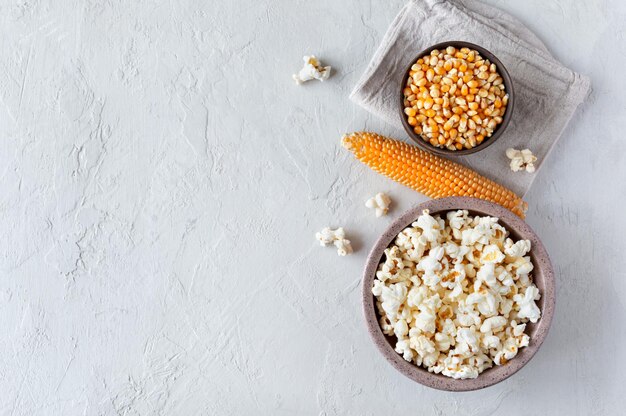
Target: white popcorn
point(443, 342)
point(485, 302)
point(337, 237)
point(486, 274)
point(328, 236)
point(467, 316)
point(429, 225)
point(343, 247)
point(401, 329)
point(521, 159)
point(461, 372)
point(425, 320)
point(380, 202)
point(386, 326)
point(416, 296)
point(518, 329)
point(492, 254)
point(430, 265)
point(469, 337)
point(505, 278)
point(312, 69)
point(457, 219)
point(517, 249)
point(527, 307)
point(404, 347)
point(425, 348)
point(491, 342)
point(493, 324)
point(525, 266)
point(456, 294)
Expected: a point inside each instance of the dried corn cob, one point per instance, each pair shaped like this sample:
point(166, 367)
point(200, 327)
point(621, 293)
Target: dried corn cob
point(431, 175)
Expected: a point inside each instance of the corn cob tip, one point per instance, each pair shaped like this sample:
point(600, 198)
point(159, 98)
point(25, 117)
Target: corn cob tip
point(521, 209)
point(345, 142)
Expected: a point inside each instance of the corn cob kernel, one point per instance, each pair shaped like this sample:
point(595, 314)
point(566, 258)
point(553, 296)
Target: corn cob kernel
point(426, 173)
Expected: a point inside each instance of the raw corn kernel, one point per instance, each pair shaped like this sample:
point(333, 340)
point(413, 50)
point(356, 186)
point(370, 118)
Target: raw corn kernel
point(426, 173)
point(468, 86)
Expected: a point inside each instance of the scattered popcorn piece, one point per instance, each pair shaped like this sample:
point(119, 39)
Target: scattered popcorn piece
point(380, 202)
point(456, 293)
point(337, 237)
point(343, 247)
point(521, 159)
point(312, 69)
point(328, 236)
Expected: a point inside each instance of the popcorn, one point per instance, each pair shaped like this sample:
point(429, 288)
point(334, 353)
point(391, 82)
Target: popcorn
point(518, 249)
point(469, 337)
point(491, 342)
point(328, 236)
point(457, 219)
point(486, 274)
point(485, 301)
point(527, 307)
point(380, 202)
point(456, 293)
point(343, 247)
point(425, 320)
point(337, 237)
point(493, 324)
point(429, 225)
point(401, 329)
point(392, 298)
point(312, 69)
point(521, 159)
point(492, 254)
point(404, 347)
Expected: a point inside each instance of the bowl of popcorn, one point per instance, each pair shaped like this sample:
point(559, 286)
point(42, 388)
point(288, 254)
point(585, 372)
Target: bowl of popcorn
point(458, 293)
point(456, 98)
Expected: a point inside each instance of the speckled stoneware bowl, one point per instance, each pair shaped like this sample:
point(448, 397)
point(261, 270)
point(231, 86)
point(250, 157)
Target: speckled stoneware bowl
point(543, 277)
point(508, 87)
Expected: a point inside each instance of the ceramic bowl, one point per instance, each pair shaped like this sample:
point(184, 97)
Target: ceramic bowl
point(508, 84)
point(543, 277)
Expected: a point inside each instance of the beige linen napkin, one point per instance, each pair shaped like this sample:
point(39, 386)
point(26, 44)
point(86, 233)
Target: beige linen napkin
point(546, 92)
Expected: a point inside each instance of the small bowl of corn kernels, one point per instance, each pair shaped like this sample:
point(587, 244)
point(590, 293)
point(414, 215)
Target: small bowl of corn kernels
point(456, 98)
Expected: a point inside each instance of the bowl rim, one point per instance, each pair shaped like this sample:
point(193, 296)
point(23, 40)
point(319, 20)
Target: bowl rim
point(508, 83)
point(491, 376)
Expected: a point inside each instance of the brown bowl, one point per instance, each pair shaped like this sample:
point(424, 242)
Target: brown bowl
point(543, 277)
point(508, 84)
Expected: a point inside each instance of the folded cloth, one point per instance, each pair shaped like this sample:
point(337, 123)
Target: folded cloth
point(546, 92)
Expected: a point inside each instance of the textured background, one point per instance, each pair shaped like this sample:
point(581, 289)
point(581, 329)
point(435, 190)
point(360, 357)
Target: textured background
point(161, 182)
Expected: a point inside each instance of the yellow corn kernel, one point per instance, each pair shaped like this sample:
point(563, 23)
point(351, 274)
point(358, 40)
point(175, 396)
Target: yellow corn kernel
point(410, 112)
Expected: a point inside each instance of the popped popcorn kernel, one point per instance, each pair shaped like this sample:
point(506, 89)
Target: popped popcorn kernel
point(337, 237)
point(312, 69)
point(380, 203)
point(521, 160)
